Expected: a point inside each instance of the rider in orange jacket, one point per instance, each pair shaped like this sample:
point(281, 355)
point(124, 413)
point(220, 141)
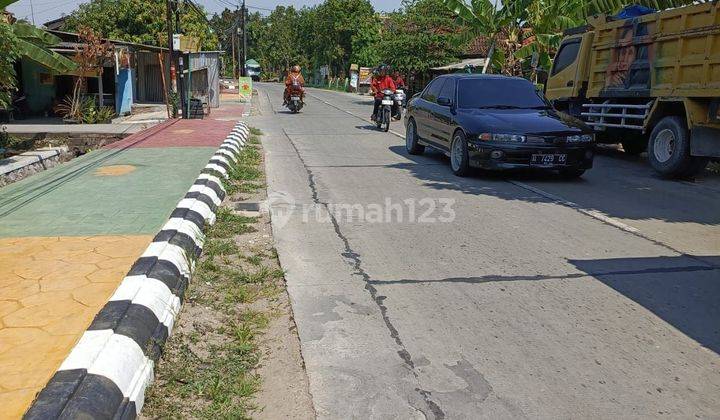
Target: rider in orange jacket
point(294, 82)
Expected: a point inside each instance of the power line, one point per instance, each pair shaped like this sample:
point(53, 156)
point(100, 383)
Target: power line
point(42, 12)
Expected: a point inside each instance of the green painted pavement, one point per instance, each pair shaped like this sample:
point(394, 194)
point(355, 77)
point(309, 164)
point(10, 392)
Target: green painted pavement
point(74, 200)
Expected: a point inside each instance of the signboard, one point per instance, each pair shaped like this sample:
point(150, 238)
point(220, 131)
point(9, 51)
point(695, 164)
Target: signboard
point(185, 43)
point(245, 88)
point(354, 80)
point(365, 75)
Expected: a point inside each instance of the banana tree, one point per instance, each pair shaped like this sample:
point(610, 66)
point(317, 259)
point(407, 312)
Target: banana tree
point(546, 20)
point(34, 43)
point(502, 26)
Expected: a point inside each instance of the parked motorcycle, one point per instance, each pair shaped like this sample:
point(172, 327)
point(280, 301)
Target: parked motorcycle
point(384, 114)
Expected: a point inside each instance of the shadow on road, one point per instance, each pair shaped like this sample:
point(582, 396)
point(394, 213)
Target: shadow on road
point(681, 290)
point(617, 189)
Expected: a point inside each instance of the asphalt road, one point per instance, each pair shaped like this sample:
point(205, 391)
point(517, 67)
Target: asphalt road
point(495, 296)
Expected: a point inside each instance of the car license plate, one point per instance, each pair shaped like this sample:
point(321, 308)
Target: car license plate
point(548, 159)
point(294, 98)
point(387, 102)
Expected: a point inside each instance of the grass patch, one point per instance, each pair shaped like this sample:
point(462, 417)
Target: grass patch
point(256, 131)
point(207, 369)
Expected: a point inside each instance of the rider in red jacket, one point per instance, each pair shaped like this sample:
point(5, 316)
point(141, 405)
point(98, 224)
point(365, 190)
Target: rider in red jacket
point(378, 85)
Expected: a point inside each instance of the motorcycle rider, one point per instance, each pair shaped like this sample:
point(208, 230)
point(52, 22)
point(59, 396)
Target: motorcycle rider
point(378, 85)
point(399, 81)
point(399, 84)
point(294, 82)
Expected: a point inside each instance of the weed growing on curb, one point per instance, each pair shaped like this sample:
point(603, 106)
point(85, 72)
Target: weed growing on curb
point(255, 131)
point(208, 367)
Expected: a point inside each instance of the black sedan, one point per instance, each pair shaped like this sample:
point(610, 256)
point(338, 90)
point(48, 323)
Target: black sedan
point(496, 122)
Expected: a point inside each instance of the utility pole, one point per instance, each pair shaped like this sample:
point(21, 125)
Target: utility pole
point(244, 35)
point(171, 54)
point(233, 35)
point(32, 12)
point(181, 69)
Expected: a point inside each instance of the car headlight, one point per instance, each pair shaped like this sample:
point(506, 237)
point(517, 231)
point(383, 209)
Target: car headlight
point(584, 138)
point(505, 138)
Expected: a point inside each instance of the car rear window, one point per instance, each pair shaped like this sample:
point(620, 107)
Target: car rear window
point(488, 93)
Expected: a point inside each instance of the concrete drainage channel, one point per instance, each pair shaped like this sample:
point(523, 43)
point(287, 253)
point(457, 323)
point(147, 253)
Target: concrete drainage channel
point(107, 372)
point(23, 165)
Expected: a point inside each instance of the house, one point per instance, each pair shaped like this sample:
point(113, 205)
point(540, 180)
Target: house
point(135, 74)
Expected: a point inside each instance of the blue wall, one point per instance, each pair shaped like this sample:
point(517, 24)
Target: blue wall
point(124, 91)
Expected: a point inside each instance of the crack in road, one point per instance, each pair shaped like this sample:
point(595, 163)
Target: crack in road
point(500, 279)
point(356, 262)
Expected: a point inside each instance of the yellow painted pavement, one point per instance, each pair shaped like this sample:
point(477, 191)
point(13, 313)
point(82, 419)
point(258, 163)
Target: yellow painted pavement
point(50, 290)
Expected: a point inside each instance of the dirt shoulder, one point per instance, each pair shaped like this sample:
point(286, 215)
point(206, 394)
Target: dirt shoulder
point(234, 351)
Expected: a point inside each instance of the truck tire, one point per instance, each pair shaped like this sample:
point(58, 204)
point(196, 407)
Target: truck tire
point(669, 149)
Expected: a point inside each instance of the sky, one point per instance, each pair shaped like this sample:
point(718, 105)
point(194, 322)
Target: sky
point(46, 10)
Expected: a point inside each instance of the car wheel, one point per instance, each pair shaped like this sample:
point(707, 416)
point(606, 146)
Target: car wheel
point(669, 149)
point(571, 173)
point(459, 154)
point(411, 139)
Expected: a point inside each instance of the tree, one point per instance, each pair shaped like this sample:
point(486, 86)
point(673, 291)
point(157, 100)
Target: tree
point(20, 39)
point(89, 58)
point(226, 24)
point(277, 45)
point(364, 45)
point(140, 21)
point(337, 23)
point(421, 35)
point(519, 28)
point(8, 55)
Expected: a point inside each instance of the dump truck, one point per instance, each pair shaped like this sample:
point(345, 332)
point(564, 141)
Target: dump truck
point(650, 82)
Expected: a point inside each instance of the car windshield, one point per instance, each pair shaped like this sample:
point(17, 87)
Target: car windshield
point(500, 93)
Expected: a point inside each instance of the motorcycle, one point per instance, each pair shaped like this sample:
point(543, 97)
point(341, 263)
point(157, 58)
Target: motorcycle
point(400, 102)
point(384, 114)
point(295, 102)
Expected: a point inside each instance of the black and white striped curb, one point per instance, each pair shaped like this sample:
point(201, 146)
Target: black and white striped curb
point(106, 373)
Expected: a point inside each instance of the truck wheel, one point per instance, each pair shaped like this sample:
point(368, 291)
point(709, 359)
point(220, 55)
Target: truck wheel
point(669, 149)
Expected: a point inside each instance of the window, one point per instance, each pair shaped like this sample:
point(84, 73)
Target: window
point(566, 56)
point(448, 90)
point(433, 90)
point(499, 93)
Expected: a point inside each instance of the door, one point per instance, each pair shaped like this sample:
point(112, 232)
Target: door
point(441, 116)
point(423, 113)
point(562, 82)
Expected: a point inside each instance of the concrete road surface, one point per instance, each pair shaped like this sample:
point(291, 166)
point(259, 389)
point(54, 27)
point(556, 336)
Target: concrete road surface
point(418, 294)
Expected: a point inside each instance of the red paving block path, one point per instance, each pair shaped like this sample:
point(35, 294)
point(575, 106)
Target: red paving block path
point(179, 133)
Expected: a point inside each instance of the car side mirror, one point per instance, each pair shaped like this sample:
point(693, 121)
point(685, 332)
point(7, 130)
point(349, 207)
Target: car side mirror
point(444, 101)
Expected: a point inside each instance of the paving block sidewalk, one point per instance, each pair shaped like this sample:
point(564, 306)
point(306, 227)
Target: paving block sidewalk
point(69, 235)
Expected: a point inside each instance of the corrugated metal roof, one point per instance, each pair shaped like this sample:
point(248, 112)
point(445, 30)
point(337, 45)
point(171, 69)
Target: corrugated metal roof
point(475, 62)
